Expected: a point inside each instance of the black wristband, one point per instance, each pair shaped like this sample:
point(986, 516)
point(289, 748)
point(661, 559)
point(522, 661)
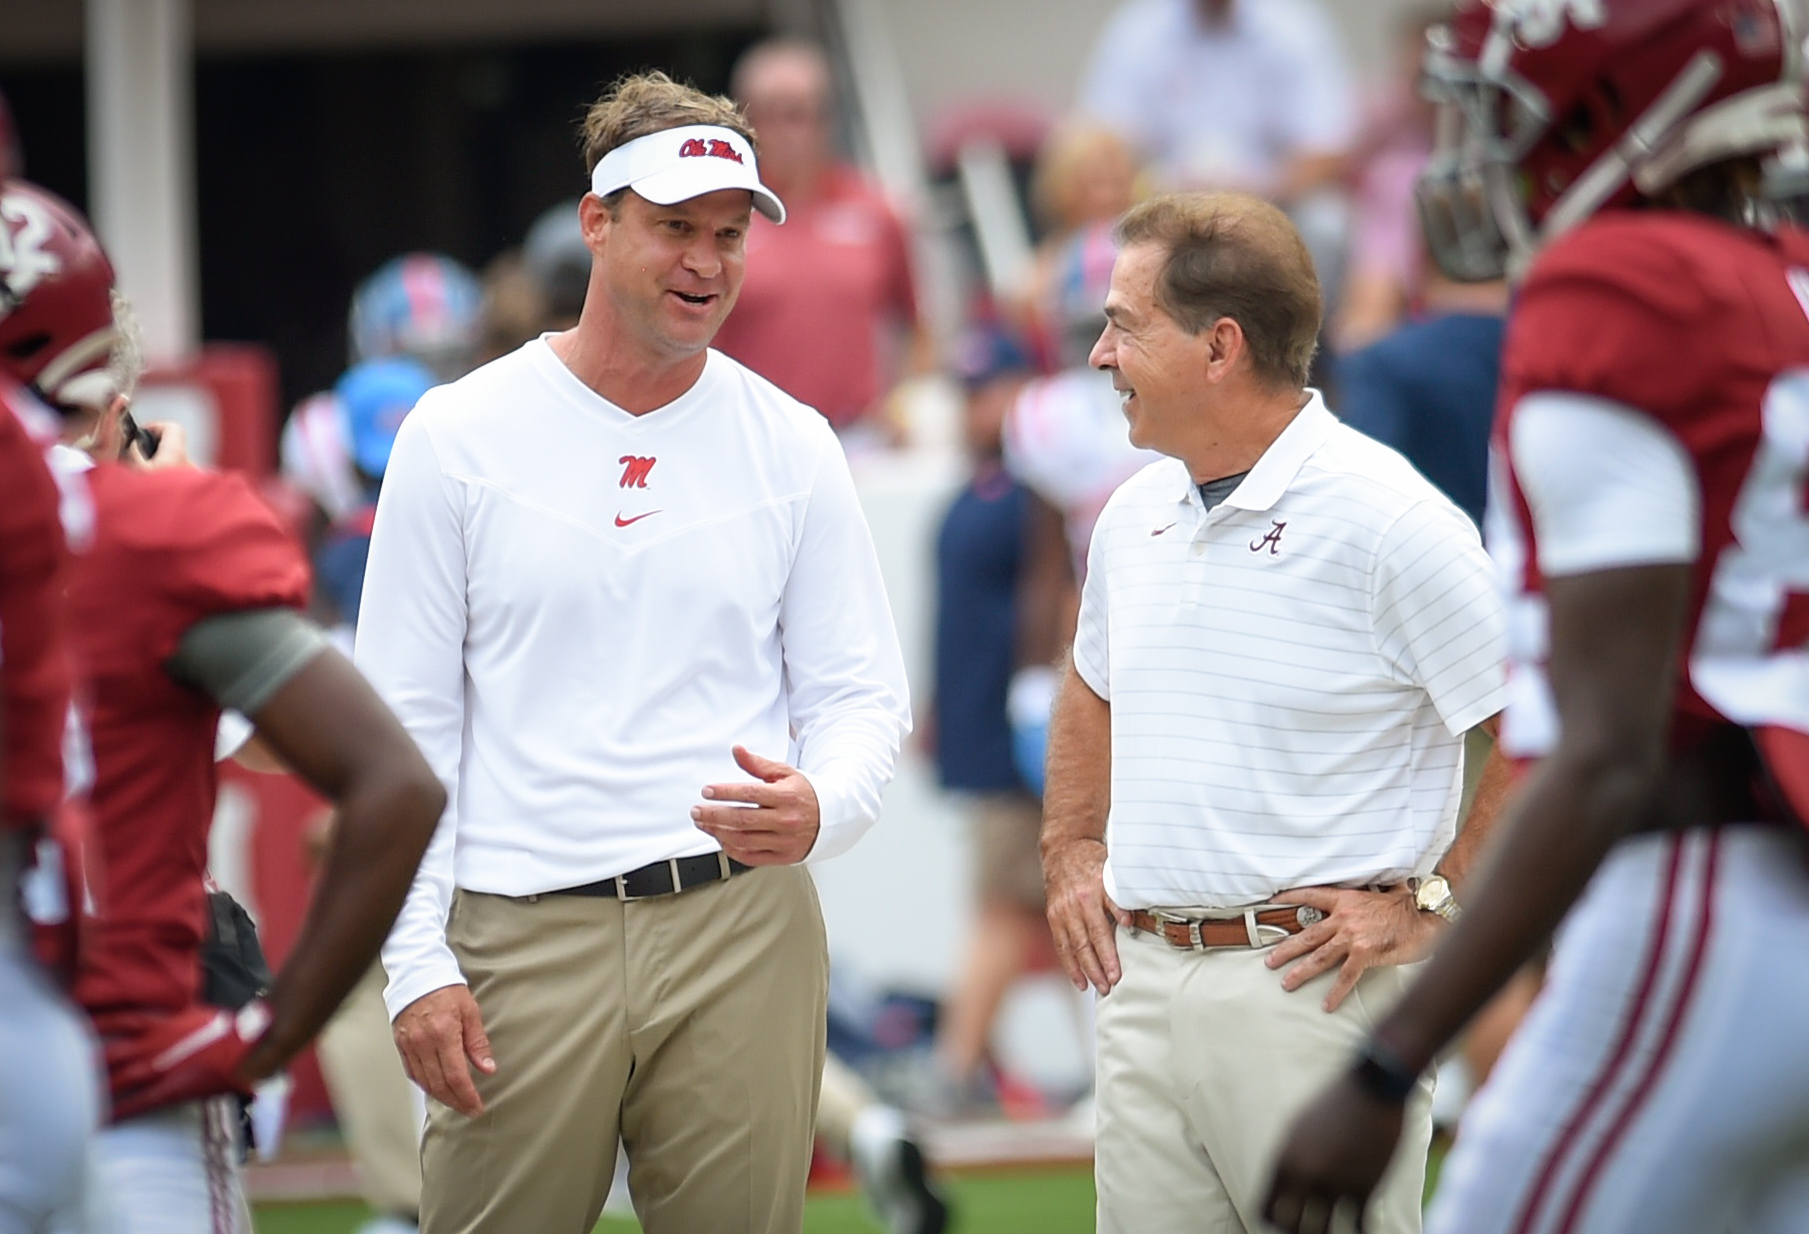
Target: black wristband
point(1383, 1074)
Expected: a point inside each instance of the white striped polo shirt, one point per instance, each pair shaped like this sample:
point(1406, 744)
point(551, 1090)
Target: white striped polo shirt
point(1290, 674)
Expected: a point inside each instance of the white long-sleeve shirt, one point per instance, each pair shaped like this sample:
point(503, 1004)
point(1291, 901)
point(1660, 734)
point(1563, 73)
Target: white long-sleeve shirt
point(577, 612)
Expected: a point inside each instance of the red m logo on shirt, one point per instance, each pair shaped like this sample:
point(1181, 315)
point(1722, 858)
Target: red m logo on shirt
point(634, 470)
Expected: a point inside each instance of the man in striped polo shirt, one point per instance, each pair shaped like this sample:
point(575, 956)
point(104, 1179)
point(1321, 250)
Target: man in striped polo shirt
point(1256, 759)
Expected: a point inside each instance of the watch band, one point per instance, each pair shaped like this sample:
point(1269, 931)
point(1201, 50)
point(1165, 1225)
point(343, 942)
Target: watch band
point(1384, 1074)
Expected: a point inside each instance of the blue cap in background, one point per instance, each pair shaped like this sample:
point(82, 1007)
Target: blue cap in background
point(985, 350)
point(374, 397)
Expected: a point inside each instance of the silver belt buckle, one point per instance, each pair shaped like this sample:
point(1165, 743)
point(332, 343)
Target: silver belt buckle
point(1194, 941)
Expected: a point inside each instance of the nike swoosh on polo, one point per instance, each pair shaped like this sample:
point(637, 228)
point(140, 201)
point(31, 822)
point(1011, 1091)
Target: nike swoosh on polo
point(1158, 531)
point(626, 522)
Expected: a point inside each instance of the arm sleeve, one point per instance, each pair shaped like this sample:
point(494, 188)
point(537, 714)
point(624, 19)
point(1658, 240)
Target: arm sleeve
point(1438, 613)
point(241, 659)
point(1606, 485)
point(222, 551)
point(844, 672)
point(1091, 642)
point(410, 645)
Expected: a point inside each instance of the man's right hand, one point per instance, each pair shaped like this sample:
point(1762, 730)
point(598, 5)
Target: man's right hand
point(435, 1035)
point(1081, 918)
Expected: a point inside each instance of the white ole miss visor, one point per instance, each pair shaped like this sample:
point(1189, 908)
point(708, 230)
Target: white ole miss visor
point(676, 165)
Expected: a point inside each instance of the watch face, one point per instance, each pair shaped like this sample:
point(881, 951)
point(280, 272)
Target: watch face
point(1434, 896)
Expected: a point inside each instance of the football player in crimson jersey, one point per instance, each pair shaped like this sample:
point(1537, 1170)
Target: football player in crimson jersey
point(49, 1100)
point(185, 600)
point(1649, 516)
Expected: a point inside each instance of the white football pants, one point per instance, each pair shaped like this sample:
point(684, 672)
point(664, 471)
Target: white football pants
point(1660, 1084)
point(50, 1099)
point(173, 1171)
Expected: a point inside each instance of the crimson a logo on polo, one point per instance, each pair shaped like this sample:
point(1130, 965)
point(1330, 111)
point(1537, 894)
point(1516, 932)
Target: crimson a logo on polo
point(1272, 538)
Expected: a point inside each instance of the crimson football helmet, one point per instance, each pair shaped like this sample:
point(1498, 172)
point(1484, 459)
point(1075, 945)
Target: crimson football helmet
point(1550, 110)
point(56, 299)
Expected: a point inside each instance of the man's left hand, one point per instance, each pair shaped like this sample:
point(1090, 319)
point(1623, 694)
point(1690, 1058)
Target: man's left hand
point(778, 820)
point(1361, 929)
point(1332, 1159)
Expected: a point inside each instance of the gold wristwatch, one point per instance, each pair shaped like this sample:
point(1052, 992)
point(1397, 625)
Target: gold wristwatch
point(1433, 895)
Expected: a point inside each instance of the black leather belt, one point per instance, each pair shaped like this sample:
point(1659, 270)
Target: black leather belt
point(661, 878)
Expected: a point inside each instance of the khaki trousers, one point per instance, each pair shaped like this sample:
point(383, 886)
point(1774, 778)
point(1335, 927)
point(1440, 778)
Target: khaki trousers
point(379, 1111)
point(691, 1027)
point(1204, 1060)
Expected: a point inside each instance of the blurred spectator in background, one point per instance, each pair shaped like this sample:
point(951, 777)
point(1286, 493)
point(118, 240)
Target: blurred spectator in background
point(558, 260)
point(1428, 387)
point(539, 286)
point(829, 308)
point(514, 306)
point(1085, 178)
point(1383, 275)
point(1066, 439)
point(423, 305)
point(1064, 436)
point(877, 1143)
point(373, 398)
point(984, 632)
point(1234, 94)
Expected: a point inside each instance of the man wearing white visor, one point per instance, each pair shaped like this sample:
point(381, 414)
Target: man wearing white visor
point(622, 595)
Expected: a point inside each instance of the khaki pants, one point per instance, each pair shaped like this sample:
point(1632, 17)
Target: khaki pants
point(1204, 1060)
point(689, 1026)
point(379, 1111)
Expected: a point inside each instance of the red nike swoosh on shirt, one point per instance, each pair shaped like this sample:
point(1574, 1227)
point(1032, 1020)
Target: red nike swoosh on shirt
point(1158, 531)
point(624, 522)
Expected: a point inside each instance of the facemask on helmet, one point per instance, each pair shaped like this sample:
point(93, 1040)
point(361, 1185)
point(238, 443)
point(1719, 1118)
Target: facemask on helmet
point(1551, 110)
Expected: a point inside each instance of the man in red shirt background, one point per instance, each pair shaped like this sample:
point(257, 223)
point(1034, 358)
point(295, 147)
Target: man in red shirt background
point(829, 309)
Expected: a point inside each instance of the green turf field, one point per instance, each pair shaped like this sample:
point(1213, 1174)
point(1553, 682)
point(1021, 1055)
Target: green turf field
point(1033, 1203)
point(1039, 1202)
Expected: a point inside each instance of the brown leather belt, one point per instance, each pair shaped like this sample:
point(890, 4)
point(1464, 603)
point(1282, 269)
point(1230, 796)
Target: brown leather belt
point(1256, 927)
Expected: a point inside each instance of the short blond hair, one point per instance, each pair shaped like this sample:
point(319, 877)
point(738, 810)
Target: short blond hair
point(1071, 152)
point(1234, 255)
point(652, 102)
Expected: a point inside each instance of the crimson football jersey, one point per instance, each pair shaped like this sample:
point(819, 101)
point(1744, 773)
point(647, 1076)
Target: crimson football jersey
point(34, 675)
point(170, 548)
point(1704, 327)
